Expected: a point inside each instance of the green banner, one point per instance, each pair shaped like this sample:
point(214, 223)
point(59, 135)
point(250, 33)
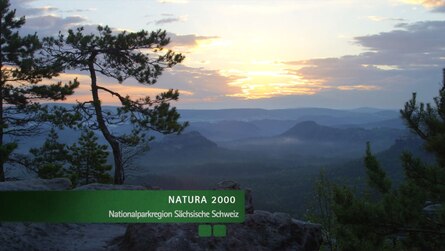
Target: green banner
point(123, 206)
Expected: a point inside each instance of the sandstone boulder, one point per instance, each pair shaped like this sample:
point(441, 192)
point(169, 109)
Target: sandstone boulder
point(261, 231)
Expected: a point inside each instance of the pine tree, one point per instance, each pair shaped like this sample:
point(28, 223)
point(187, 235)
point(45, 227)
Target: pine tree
point(412, 215)
point(89, 161)
point(22, 66)
point(50, 160)
point(321, 211)
point(121, 56)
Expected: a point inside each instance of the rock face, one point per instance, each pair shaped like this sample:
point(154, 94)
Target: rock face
point(261, 231)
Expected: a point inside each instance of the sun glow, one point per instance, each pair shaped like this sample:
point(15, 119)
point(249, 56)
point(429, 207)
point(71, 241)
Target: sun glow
point(268, 84)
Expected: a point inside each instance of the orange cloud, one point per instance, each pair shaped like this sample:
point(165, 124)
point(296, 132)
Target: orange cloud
point(426, 3)
point(83, 93)
point(358, 87)
point(261, 91)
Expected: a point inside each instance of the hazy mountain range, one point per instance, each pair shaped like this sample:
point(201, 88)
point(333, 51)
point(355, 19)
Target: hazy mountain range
point(277, 153)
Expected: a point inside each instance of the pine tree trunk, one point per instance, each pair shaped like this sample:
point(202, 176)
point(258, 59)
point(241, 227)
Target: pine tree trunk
point(118, 166)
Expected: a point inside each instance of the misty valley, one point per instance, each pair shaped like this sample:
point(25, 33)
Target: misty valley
point(278, 154)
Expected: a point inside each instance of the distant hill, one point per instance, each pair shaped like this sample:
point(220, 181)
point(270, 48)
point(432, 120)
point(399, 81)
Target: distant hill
point(271, 127)
point(230, 130)
point(190, 148)
point(396, 123)
point(235, 124)
point(186, 141)
point(338, 116)
point(366, 110)
point(390, 160)
point(325, 116)
point(311, 131)
point(225, 130)
point(240, 124)
point(313, 141)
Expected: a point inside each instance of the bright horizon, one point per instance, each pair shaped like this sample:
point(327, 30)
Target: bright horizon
point(341, 54)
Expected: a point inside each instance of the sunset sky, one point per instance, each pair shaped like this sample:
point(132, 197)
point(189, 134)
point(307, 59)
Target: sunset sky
point(272, 54)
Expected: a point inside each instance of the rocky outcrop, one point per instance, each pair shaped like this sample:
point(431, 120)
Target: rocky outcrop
point(36, 185)
point(261, 231)
point(232, 185)
point(97, 186)
point(56, 237)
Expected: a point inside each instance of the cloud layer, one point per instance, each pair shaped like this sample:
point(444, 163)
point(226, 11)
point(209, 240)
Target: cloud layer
point(394, 64)
point(401, 61)
point(435, 5)
point(167, 19)
point(195, 84)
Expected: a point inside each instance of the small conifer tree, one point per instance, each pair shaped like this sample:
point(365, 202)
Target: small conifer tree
point(89, 160)
point(50, 160)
